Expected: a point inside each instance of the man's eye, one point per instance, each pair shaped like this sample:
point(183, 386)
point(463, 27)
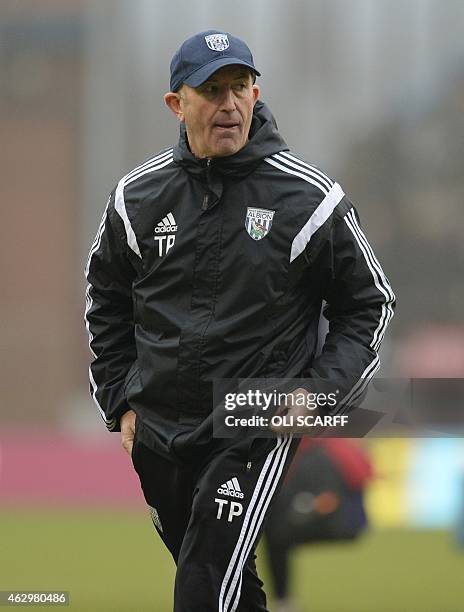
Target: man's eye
point(210, 89)
point(239, 86)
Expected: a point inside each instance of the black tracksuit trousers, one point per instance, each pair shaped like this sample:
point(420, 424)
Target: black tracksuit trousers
point(208, 504)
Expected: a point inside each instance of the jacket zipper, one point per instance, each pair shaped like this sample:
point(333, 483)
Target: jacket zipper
point(204, 206)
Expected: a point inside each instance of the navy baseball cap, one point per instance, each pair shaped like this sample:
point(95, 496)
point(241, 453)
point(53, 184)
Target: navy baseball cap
point(201, 55)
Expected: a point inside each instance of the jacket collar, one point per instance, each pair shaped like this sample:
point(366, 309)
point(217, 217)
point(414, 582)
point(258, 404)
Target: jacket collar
point(264, 140)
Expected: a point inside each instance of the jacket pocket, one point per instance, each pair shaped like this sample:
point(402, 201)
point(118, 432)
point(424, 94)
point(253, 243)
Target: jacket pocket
point(258, 448)
point(132, 382)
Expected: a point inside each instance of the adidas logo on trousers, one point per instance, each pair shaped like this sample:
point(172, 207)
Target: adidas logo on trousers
point(231, 488)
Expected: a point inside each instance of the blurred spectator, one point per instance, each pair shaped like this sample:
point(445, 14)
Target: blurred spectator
point(321, 500)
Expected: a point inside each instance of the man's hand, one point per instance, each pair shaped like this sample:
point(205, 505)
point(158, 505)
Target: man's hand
point(128, 431)
point(295, 408)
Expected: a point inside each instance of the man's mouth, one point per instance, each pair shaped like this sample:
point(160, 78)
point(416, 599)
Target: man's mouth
point(226, 125)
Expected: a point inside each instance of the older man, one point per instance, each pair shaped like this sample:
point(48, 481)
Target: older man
point(211, 262)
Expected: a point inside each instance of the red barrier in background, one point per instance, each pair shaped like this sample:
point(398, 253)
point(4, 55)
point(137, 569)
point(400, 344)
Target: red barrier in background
point(56, 469)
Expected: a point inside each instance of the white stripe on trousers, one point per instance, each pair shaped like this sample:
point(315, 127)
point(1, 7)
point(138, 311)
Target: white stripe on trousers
point(262, 495)
point(252, 537)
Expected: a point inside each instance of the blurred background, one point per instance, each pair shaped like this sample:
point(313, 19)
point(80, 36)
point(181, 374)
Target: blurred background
point(372, 91)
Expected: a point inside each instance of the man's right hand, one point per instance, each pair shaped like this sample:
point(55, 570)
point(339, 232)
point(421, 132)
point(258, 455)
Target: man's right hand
point(128, 431)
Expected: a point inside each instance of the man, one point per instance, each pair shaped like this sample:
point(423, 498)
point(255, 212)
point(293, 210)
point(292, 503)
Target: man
point(211, 262)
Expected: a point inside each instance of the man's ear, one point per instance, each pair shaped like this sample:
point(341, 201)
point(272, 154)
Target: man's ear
point(173, 102)
point(256, 93)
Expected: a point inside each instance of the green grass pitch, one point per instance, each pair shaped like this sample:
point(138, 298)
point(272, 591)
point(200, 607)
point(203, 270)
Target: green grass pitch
point(112, 561)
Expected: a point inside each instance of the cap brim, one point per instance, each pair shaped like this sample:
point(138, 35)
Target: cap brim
point(202, 74)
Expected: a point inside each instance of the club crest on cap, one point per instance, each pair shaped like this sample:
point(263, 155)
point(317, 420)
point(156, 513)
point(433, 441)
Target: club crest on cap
point(258, 222)
point(217, 42)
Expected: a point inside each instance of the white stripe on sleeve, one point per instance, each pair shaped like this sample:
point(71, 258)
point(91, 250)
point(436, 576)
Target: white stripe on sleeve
point(378, 276)
point(295, 163)
point(301, 174)
point(313, 169)
point(316, 220)
point(386, 311)
point(120, 207)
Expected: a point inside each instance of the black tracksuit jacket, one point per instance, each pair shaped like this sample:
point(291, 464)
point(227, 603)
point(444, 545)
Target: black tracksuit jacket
point(189, 283)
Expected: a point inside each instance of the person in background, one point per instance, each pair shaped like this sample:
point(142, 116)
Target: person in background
point(321, 500)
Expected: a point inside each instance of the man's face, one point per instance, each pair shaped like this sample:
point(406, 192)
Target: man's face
point(218, 113)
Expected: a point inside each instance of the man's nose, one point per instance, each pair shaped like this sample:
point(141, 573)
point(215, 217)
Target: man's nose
point(228, 100)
